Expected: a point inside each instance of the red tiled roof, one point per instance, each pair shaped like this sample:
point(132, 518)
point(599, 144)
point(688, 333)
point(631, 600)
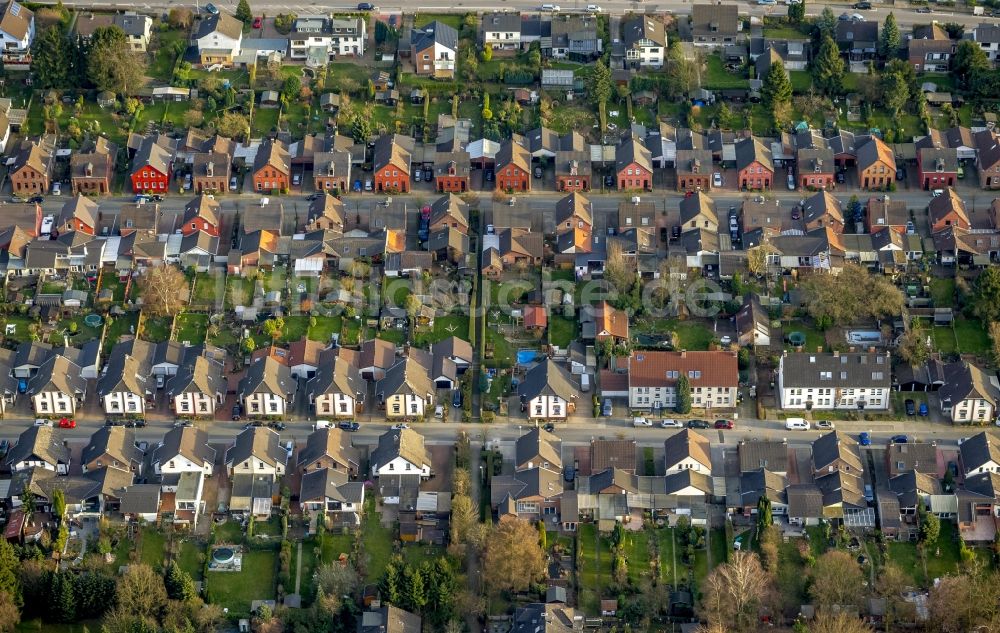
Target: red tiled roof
point(717, 369)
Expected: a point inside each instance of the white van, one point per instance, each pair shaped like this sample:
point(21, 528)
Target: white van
point(322, 424)
point(796, 424)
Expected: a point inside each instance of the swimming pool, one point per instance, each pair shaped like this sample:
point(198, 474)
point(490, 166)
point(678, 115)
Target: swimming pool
point(862, 337)
point(526, 356)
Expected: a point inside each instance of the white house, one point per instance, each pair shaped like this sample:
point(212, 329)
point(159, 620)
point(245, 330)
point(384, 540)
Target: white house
point(834, 381)
point(17, 32)
point(336, 390)
point(969, 394)
point(40, 447)
point(198, 388)
point(58, 387)
point(184, 449)
point(257, 451)
point(687, 450)
point(547, 392)
point(406, 391)
point(267, 389)
point(502, 30)
point(979, 454)
point(401, 452)
point(653, 375)
point(645, 42)
point(137, 28)
point(320, 39)
point(219, 39)
point(124, 384)
point(329, 491)
point(988, 37)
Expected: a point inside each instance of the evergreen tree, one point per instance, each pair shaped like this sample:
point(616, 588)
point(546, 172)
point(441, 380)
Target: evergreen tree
point(391, 585)
point(416, 592)
point(683, 395)
point(599, 84)
point(178, 583)
point(764, 516)
point(777, 92)
point(62, 600)
point(797, 12)
point(95, 593)
point(826, 23)
point(969, 61)
point(889, 39)
point(58, 503)
point(9, 571)
point(244, 14)
point(51, 59)
point(828, 67)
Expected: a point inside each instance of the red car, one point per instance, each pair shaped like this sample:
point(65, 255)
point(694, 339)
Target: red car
point(724, 424)
point(66, 423)
point(258, 22)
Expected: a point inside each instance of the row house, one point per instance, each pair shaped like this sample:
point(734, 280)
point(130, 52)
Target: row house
point(511, 249)
point(198, 388)
point(835, 380)
point(714, 25)
point(451, 171)
point(124, 386)
point(78, 214)
point(969, 394)
point(633, 166)
point(449, 211)
point(574, 224)
point(17, 32)
point(535, 489)
point(407, 389)
point(513, 166)
point(882, 212)
point(30, 172)
point(930, 49)
point(815, 168)
point(694, 169)
point(112, 447)
point(653, 376)
point(823, 210)
point(698, 212)
point(947, 209)
point(337, 390)
point(876, 164)
point(987, 35)
point(332, 171)
point(393, 155)
point(39, 447)
point(937, 164)
point(268, 389)
point(754, 165)
point(152, 164)
point(92, 169)
point(272, 167)
point(202, 213)
point(255, 463)
point(501, 30)
point(210, 172)
point(987, 158)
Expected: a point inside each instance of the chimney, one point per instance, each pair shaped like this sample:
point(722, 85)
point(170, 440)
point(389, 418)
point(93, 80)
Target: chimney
point(329, 168)
point(836, 354)
point(88, 170)
point(684, 353)
point(819, 165)
point(209, 169)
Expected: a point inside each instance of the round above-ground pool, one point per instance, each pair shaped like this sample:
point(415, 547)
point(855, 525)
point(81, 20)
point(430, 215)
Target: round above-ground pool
point(224, 555)
point(92, 320)
point(797, 339)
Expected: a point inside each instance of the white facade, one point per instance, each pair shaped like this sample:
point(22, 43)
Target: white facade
point(334, 405)
point(344, 508)
point(61, 469)
point(435, 59)
point(646, 53)
point(257, 466)
point(832, 397)
point(53, 403)
point(256, 404)
point(216, 41)
point(547, 407)
point(17, 47)
point(666, 397)
point(123, 403)
point(199, 404)
point(180, 464)
point(406, 405)
point(688, 463)
point(970, 410)
point(400, 466)
point(500, 40)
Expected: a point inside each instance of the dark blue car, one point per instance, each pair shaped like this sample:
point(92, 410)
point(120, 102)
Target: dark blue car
point(865, 439)
point(357, 186)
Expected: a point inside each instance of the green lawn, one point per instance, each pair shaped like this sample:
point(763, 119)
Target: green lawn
point(235, 590)
point(229, 532)
point(239, 291)
point(791, 577)
point(336, 544)
point(784, 32)
point(637, 556)
point(377, 541)
point(941, 560)
point(265, 120)
point(444, 327)
point(801, 81)
point(152, 549)
point(296, 328)
point(503, 353)
point(693, 335)
point(20, 324)
point(943, 292)
point(156, 330)
point(716, 76)
point(271, 527)
point(325, 327)
point(417, 553)
point(595, 567)
point(208, 289)
point(966, 337)
point(191, 328)
point(84, 332)
point(814, 338)
point(454, 20)
point(190, 558)
point(562, 331)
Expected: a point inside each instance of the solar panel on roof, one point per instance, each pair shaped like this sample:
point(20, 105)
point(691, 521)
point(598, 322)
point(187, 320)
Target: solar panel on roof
point(15, 8)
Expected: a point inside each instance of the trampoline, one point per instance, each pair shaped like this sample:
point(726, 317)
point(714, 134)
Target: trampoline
point(798, 339)
point(92, 320)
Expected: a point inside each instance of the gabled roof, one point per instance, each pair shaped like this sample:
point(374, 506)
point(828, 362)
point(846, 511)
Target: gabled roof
point(82, 208)
point(184, 441)
point(43, 442)
point(273, 153)
point(696, 205)
point(541, 444)
point(547, 379)
point(836, 370)
point(822, 204)
point(940, 207)
point(804, 501)
point(389, 619)
point(453, 346)
point(128, 369)
point(618, 454)
point(260, 443)
point(514, 154)
point(965, 381)
point(334, 376)
point(221, 23)
point(631, 150)
point(502, 21)
point(376, 352)
point(759, 453)
point(575, 205)
point(305, 351)
point(834, 446)
point(395, 150)
point(608, 320)
point(750, 150)
point(850, 32)
point(676, 482)
point(715, 18)
point(649, 368)
point(684, 444)
point(987, 146)
point(643, 27)
point(268, 376)
point(152, 154)
point(405, 443)
point(755, 484)
point(326, 483)
point(327, 206)
point(16, 20)
point(33, 154)
point(200, 375)
point(58, 373)
point(410, 375)
point(116, 441)
point(331, 442)
point(434, 33)
point(874, 150)
point(910, 486)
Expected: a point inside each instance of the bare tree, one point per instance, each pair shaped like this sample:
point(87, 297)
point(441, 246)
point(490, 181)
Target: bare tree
point(757, 257)
point(913, 347)
point(735, 591)
point(851, 295)
point(618, 269)
point(837, 580)
point(10, 616)
point(513, 558)
point(840, 623)
point(164, 290)
point(141, 592)
point(892, 582)
point(994, 330)
point(337, 580)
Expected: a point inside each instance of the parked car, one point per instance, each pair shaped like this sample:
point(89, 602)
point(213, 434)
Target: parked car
point(428, 175)
point(922, 410)
point(791, 181)
point(698, 424)
point(400, 426)
point(456, 398)
point(716, 179)
point(607, 410)
point(550, 7)
point(898, 439)
point(549, 427)
point(41, 422)
point(36, 199)
point(825, 425)
point(609, 182)
point(670, 423)
point(910, 406)
point(641, 422)
point(924, 10)
point(865, 439)
point(258, 22)
point(296, 179)
point(56, 189)
point(724, 424)
point(488, 175)
point(366, 6)
point(418, 175)
point(368, 185)
point(863, 6)
point(726, 340)
point(900, 174)
point(349, 425)
point(211, 8)
point(67, 423)
point(594, 8)
point(538, 172)
point(841, 178)
point(237, 412)
point(233, 184)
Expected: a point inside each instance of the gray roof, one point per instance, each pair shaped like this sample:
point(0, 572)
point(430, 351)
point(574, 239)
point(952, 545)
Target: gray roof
point(502, 21)
point(964, 381)
point(222, 23)
point(538, 443)
point(331, 442)
point(184, 441)
point(985, 484)
point(140, 499)
point(546, 618)
point(128, 369)
point(389, 619)
point(410, 375)
point(202, 375)
point(911, 485)
point(267, 375)
point(837, 370)
point(434, 33)
point(687, 443)
point(675, 482)
point(833, 446)
point(715, 19)
point(856, 34)
point(804, 501)
point(325, 483)
point(526, 484)
point(762, 482)
point(260, 443)
point(547, 378)
point(116, 441)
point(643, 27)
point(978, 450)
point(841, 488)
point(919, 456)
point(43, 442)
point(58, 373)
point(749, 150)
point(770, 454)
point(405, 443)
point(631, 150)
point(337, 375)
